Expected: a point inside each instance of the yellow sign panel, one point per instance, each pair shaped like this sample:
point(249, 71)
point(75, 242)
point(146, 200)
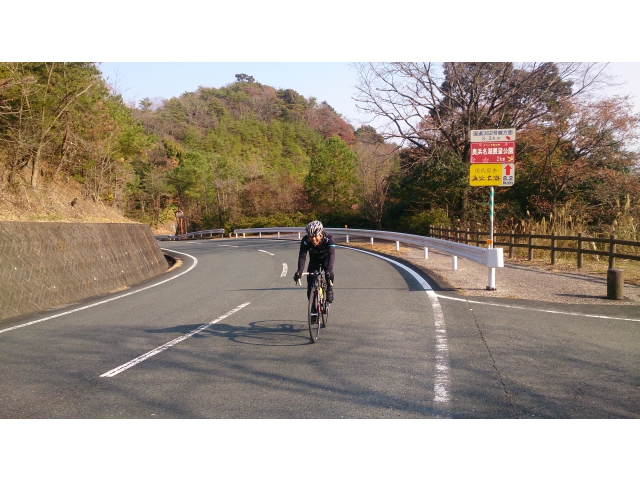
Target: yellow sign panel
point(491, 174)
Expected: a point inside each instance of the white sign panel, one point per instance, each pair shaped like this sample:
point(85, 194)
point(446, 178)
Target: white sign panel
point(493, 135)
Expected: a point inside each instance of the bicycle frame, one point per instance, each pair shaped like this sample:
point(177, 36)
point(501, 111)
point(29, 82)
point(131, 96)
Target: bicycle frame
point(318, 313)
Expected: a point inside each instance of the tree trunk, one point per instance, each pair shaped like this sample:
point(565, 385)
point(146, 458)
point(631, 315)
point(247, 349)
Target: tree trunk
point(36, 166)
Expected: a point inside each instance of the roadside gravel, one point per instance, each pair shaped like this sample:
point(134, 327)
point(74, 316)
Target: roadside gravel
point(515, 280)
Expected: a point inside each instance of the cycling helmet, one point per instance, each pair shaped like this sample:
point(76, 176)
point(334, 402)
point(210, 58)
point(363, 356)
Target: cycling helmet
point(314, 228)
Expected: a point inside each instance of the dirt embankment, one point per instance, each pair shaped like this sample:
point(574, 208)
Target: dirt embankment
point(60, 201)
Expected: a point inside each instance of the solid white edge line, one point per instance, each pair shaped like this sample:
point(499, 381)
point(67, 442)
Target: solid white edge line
point(161, 348)
point(195, 262)
point(441, 383)
point(539, 309)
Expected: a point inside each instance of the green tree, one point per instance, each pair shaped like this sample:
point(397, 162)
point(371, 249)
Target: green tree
point(40, 100)
point(332, 182)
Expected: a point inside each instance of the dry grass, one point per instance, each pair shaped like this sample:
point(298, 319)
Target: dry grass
point(52, 203)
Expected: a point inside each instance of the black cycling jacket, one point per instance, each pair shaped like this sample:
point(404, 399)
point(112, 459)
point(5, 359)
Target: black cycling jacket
point(317, 254)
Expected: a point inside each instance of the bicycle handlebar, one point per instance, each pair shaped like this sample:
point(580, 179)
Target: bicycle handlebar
point(313, 274)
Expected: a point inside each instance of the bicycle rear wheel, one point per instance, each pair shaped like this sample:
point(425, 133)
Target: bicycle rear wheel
point(314, 316)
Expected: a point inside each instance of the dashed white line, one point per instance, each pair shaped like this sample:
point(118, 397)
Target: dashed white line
point(268, 253)
point(284, 270)
point(441, 381)
point(540, 310)
point(142, 358)
point(195, 262)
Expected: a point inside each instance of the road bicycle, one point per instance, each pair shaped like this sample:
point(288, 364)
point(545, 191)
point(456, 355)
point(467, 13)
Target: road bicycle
point(318, 311)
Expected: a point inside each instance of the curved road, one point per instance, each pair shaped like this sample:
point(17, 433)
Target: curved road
point(223, 335)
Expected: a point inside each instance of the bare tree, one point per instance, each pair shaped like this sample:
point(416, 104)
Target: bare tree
point(427, 105)
point(376, 160)
point(431, 108)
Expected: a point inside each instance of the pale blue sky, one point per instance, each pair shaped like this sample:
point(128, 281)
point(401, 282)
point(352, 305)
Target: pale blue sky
point(317, 40)
point(332, 82)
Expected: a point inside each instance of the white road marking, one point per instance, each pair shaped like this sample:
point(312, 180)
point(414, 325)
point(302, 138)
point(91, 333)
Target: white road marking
point(441, 383)
point(231, 246)
point(284, 270)
point(142, 358)
point(268, 253)
point(195, 262)
point(540, 310)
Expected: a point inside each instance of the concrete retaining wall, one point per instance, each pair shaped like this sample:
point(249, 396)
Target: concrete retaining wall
point(44, 265)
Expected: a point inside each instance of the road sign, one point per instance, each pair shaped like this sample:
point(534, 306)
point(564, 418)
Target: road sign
point(492, 174)
point(493, 152)
point(493, 135)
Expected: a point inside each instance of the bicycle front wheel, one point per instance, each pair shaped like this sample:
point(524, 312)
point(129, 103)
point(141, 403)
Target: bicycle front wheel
point(324, 307)
point(314, 316)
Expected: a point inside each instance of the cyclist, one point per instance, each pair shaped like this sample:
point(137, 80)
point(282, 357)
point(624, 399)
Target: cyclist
point(322, 251)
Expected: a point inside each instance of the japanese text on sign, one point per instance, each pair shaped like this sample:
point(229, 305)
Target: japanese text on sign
point(492, 152)
point(492, 175)
point(493, 135)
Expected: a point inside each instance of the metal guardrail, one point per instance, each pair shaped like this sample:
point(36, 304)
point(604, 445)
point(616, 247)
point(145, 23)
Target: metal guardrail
point(193, 235)
point(492, 258)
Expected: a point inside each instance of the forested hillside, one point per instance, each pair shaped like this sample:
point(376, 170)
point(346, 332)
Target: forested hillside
point(246, 154)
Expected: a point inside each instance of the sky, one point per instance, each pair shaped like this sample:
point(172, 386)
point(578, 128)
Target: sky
point(333, 82)
point(153, 49)
point(156, 49)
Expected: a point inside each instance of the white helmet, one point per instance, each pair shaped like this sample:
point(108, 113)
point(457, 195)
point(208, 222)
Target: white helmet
point(314, 228)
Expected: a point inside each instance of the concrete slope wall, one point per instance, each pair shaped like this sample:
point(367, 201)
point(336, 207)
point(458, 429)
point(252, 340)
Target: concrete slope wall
point(46, 264)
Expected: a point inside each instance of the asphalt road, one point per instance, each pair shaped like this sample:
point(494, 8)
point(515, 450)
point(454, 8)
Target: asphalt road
point(224, 335)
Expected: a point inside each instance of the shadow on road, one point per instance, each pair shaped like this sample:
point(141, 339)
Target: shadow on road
point(280, 333)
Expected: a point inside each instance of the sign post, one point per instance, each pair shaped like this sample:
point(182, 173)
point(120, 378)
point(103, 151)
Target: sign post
point(492, 271)
point(492, 164)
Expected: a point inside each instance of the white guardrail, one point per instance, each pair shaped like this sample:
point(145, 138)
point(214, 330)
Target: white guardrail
point(194, 235)
point(492, 258)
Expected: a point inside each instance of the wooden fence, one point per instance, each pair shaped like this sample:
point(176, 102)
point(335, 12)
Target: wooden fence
point(601, 246)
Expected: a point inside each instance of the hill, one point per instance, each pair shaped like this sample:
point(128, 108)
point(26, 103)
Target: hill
point(222, 155)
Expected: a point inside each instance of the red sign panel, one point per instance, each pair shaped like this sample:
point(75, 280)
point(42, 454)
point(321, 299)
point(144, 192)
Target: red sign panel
point(493, 152)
